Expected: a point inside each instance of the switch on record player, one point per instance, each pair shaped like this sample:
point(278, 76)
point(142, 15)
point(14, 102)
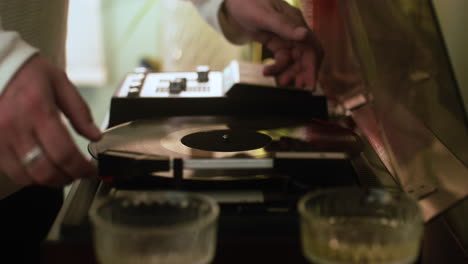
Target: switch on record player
point(202, 82)
point(240, 89)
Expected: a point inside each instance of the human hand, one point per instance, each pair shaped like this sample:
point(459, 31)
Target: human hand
point(282, 29)
point(35, 145)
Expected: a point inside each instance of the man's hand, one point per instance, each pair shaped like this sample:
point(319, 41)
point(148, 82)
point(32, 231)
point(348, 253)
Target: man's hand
point(282, 29)
point(35, 146)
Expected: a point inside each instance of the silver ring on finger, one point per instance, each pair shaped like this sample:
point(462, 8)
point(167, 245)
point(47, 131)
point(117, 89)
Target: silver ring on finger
point(31, 156)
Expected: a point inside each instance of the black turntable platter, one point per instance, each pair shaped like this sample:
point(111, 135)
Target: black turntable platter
point(223, 137)
point(219, 139)
point(200, 137)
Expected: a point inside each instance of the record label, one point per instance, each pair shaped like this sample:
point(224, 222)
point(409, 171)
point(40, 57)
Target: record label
point(227, 140)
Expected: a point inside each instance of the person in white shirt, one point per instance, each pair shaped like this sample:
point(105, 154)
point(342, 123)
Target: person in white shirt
point(35, 146)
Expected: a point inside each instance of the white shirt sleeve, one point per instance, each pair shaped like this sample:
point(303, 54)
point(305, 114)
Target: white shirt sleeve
point(213, 13)
point(13, 53)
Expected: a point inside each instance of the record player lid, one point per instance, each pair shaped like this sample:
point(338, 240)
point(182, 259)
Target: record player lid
point(395, 68)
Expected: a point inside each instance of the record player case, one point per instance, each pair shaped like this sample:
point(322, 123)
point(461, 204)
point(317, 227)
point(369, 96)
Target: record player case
point(259, 212)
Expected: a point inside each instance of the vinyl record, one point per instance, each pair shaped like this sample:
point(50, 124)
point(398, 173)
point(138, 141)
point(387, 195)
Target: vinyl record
point(199, 137)
point(218, 138)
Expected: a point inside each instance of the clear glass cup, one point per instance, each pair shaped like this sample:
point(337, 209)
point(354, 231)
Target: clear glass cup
point(365, 226)
point(155, 227)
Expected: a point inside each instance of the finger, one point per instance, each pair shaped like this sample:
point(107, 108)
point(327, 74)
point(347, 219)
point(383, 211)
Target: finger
point(287, 77)
point(40, 170)
point(297, 53)
point(262, 37)
point(74, 107)
point(44, 172)
point(10, 165)
point(311, 43)
point(309, 79)
point(59, 147)
point(270, 70)
point(280, 48)
point(275, 43)
point(282, 62)
point(309, 69)
point(297, 15)
point(281, 23)
point(299, 81)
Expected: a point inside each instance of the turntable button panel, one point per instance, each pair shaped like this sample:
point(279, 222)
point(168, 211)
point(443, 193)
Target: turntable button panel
point(159, 85)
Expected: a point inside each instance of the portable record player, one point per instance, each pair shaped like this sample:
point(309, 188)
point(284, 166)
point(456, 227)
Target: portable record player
point(256, 162)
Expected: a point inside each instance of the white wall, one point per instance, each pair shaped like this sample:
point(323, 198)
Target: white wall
point(169, 33)
point(108, 38)
point(85, 58)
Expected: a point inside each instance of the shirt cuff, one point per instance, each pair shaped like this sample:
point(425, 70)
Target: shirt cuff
point(14, 52)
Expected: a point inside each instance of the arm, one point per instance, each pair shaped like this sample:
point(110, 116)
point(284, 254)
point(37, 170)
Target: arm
point(275, 24)
point(34, 95)
point(239, 20)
